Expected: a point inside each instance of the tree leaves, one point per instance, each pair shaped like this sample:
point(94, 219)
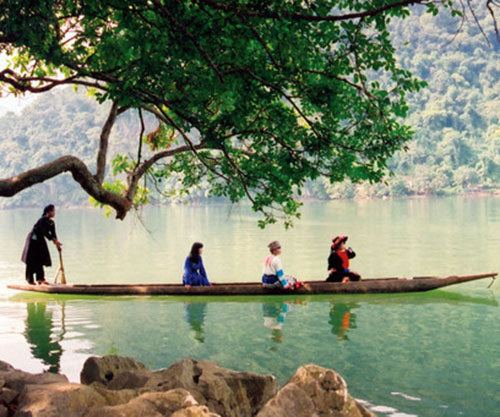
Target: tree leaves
point(276, 94)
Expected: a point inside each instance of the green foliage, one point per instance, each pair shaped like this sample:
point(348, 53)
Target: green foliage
point(119, 187)
point(282, 106)
point(275, 98)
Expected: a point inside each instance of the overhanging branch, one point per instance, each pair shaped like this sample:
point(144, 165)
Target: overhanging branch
point(268, 14)
point(81, 174)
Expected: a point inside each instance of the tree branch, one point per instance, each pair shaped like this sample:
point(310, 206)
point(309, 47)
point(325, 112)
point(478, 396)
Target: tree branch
point(24, 84)
point(266, 14)
point(165, 154)
point(103, 143)
point(81, 174)
point(143, 128)
point(492, 13)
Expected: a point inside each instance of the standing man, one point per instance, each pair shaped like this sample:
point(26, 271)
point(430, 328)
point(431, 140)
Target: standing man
point(36, 253)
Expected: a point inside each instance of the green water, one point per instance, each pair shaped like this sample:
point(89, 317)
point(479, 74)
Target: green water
point(427, 354)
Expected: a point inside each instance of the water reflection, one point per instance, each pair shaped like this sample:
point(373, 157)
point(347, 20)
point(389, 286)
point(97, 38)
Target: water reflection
point(342, 319)
point(275, 314)
point(40, 335)
point(277, 334)
point(274, 318)
point(195, 316)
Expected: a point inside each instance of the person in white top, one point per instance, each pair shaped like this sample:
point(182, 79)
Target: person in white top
point(273, 275)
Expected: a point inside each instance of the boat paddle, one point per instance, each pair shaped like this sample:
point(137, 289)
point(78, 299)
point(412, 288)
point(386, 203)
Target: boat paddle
point(60, 271)
point(492, 281)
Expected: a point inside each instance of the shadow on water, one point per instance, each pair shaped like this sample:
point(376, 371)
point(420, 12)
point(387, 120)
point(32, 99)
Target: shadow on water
point(40, 335)
point(195, 316)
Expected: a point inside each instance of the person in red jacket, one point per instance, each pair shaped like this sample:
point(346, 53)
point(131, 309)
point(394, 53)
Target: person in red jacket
point(338, 262)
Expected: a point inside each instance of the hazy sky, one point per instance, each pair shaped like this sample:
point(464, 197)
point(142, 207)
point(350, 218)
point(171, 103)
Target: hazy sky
point(9, 102)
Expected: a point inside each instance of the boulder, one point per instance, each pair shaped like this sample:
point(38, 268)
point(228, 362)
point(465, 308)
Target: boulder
point(4, 366)
point(195, 411)
point(17, 380)
point(151, 404)
point(226, 392)
point(129, 379)
point(314, 391)
point(115, 397)
point(104, 369)
point(55, 400)
point(7, 395)
point(3, 411)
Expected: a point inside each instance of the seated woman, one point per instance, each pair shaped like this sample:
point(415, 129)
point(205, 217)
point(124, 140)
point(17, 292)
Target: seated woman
point(338, 262)
point(273, 275)
point(194, 271)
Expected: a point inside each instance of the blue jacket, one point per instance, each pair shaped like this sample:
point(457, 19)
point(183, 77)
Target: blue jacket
point(194, 273)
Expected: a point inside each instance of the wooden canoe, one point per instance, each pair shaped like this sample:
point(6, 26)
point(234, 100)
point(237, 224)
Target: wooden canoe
point(367, 286)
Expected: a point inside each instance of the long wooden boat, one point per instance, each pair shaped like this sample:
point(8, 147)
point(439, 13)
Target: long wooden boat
point(367, 286)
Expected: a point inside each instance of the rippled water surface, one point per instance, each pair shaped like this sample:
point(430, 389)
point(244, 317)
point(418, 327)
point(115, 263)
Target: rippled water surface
point(427, 354)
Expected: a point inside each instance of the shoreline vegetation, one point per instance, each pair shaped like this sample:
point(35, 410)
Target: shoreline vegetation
point(115, 386)
point(495, 192)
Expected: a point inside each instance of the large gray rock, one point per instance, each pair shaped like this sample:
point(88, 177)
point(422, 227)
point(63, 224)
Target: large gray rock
point(314, 391)
point(104, 369)
point(152, 404)
point(226, 392)
point(55, 400)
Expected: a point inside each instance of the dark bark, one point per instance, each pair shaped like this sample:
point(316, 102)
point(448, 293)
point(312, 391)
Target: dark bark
point(283, 15)
point(81, 174)
point(121, 203)
point(103, 143)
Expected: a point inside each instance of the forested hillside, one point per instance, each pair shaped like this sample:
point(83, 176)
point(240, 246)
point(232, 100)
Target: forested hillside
point(55, 124)
point(456, 120)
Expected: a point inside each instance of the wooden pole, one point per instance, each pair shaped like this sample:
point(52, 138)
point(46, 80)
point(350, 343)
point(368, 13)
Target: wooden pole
point(60, 271)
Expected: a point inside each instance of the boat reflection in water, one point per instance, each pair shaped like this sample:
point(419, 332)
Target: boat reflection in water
point(195, 316)
point(40, 335)
point(342, 319)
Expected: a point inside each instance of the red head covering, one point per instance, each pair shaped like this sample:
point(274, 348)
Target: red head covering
point(337, 241)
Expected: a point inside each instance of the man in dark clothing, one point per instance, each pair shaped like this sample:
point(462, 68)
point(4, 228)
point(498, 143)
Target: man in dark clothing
point(36, 253)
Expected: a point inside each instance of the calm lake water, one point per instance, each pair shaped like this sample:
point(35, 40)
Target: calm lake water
point(426, 354)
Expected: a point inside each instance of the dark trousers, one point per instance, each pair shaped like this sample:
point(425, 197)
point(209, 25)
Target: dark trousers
point(34, 270)
point(339, 276)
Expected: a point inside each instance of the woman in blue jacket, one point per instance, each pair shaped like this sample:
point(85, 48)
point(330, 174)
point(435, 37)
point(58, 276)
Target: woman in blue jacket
point(194, 271)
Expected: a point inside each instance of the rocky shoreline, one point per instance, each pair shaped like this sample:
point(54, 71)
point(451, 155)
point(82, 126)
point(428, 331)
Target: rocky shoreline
point(115, 386)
